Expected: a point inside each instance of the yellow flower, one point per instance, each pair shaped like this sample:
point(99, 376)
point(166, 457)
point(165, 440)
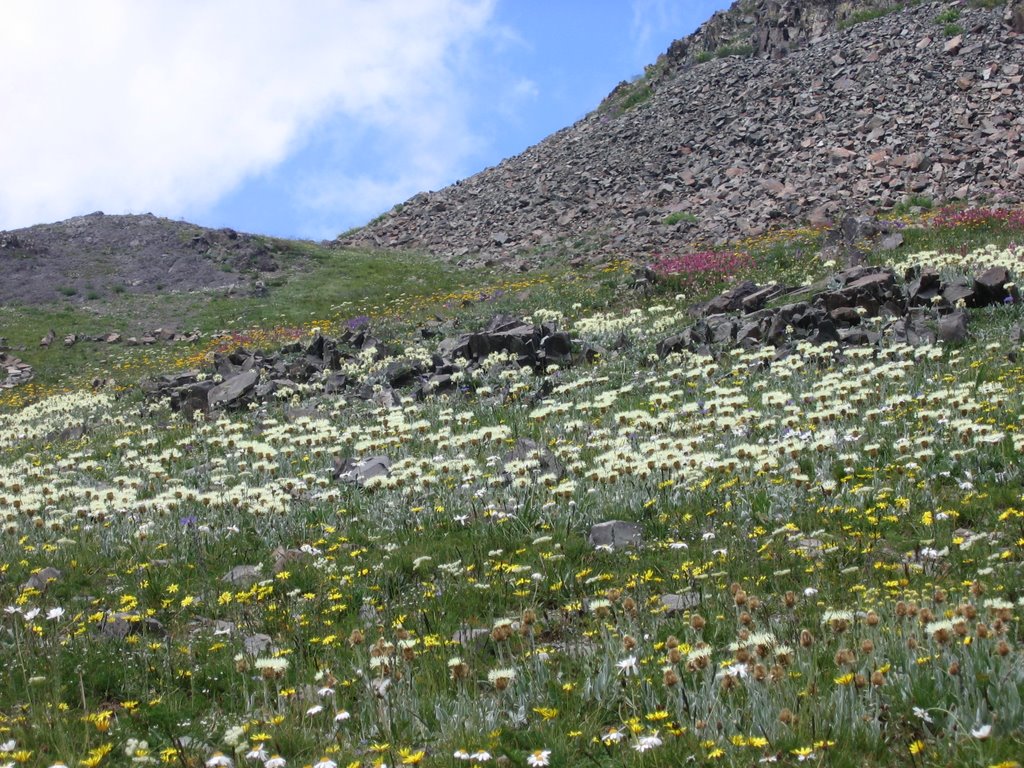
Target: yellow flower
point(548, 713)
point(916, 747)
point(411, 758)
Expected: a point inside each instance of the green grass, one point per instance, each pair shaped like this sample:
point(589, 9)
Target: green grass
point(678, 216)
point(868, 14)
point(738, 49)
point(315, 285)
point(911, 202)
point(636, 95)
point(827, 511)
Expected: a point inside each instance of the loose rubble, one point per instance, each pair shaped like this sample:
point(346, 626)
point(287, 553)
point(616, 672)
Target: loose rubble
point(918, 309)
point(816, 122)
point(244, 376)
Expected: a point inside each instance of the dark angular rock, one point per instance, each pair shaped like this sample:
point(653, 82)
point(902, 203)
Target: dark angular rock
point(959, 291)
point(230, 392)
point(990, 285)
point(557, 346)
point(351, 471)
point(953, 327)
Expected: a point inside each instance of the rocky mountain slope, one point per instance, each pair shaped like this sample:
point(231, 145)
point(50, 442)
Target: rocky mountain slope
point(823, 110)
point(92, 256)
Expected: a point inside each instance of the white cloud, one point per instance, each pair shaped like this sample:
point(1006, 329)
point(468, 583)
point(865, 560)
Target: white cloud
point(166, 106)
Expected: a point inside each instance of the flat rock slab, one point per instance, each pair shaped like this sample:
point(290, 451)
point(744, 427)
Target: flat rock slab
point(243, 575)
point(41, 579)
point(616, 534)
point(362, 471)
point(679, 603)
point(471, 636)
point(233, 389)
point(118, 626)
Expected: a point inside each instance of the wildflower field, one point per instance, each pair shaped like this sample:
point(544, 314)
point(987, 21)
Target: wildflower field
point(819, 558)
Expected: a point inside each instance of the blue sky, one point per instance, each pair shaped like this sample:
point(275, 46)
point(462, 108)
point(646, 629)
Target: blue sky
point(296, 119)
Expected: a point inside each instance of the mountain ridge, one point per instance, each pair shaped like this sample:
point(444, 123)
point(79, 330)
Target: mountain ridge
point(863, 118)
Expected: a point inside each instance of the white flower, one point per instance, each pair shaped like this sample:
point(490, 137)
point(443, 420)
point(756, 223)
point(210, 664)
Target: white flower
point(922, 714)
point(460, 754)
point(316, 709)
point(325, 762)
point(612, 736)
point(981, 732)
point(256, 753)
point(539, 758)
point(219, 760)
point(342, 716)
point(54, 613)
point(9, 746)
point(275, 762)
point(628, 666)
point(31, 614)
point(480, 756)
point(645, 743)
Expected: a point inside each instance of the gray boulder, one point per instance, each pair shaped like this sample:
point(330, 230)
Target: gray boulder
point(615, 534)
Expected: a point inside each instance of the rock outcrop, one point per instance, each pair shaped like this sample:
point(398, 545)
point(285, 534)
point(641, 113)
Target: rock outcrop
point(815, 122)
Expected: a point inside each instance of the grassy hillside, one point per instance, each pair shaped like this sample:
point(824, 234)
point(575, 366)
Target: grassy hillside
point(826, 565)
point(315, 285)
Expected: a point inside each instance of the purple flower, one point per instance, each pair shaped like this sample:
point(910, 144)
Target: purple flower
point(358, 322)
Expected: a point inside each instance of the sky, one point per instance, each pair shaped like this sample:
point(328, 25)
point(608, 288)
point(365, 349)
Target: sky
point(296, 119)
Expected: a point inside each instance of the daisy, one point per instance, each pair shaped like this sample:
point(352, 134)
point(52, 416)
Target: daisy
point(218, 760)
point(275, 762)
point(612, 736)
point(981, 732)
point(645, 743)
point(325, 762)
point(256, 753)
point(539, 758)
